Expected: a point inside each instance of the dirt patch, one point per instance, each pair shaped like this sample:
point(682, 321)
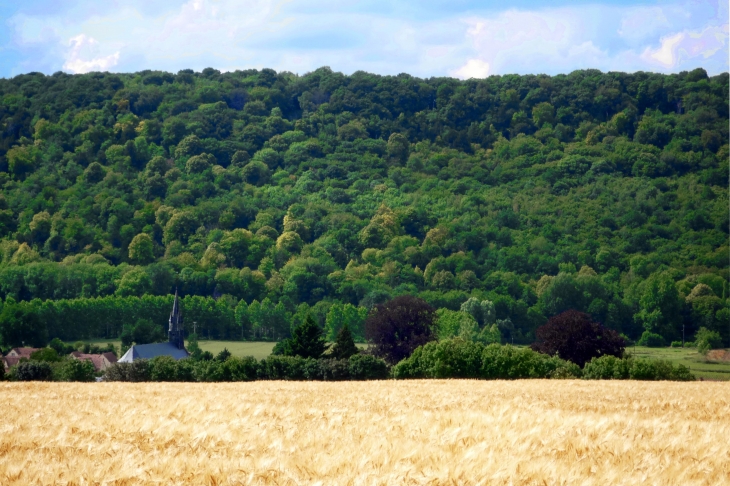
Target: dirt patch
point(719, 355)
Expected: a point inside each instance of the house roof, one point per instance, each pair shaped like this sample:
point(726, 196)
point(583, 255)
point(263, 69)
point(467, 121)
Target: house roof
point(10, 361)
point(149, 351)
point(98, 360)
point(24, 352)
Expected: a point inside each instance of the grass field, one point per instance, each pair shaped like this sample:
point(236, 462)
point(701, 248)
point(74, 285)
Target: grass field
point(369, 433)
point(700, 366)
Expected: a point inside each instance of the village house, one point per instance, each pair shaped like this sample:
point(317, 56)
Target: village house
point(100, 361)
point(15, 355)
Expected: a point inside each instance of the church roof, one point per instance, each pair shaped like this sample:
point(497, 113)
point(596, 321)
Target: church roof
point(149, 351)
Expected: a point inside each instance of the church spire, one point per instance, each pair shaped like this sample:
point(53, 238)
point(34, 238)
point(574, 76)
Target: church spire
point(175, 330)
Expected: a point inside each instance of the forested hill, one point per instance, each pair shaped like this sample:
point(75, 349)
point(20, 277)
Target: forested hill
point(606, 193)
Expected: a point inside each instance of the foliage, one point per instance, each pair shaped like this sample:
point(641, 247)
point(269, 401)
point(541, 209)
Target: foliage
point(307, 341)
point(20, 325)
point(456, 358)
point(344, 346)
point(574, 336)
point(144, 331)
point(651, 340)
point(705, 340)
point(613, 368)
point(45, 354)
point(399, 326)
point(31, 371)
point(75, 370)
point(604, 193)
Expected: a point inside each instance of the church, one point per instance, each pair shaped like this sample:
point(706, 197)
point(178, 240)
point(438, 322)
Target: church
point(174, 347)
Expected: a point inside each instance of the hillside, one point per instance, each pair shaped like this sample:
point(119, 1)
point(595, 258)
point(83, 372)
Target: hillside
point(265, 196)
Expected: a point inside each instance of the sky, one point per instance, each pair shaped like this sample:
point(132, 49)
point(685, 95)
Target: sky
point(459, 38)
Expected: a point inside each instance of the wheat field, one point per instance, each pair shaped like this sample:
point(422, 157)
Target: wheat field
point(366, 433)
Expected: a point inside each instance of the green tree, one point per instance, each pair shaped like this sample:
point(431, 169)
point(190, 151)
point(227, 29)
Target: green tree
point(659, 306)
point(705, 340)
point(21, 325)
point(344, 345)
point(141, 249)
point(308, 340)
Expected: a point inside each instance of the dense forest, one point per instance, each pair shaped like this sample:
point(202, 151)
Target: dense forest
point(264, 197)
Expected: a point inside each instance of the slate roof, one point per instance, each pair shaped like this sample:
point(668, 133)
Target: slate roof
point(149, 351)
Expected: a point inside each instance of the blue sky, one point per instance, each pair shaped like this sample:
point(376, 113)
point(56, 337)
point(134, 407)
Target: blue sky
point(460, 38)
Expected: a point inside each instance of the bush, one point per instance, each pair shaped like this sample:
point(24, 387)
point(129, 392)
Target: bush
point(676, 344)
point(32, 371)
point(281, 368)
point(707, 340)
point(651, 340)
point(136, 371)
point(239, 369)
point(612, 368)
point(462, 359)
point(367, 367)
point(332, 370)
point(163, 368)
point(689, 344)
point(76, 370)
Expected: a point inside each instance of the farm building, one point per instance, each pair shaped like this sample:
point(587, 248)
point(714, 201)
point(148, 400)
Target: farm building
point(174, 347)
point(100, 361)
point(15, 355)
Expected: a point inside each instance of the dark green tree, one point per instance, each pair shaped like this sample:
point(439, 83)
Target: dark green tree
point(308, 340)
point(344, 346)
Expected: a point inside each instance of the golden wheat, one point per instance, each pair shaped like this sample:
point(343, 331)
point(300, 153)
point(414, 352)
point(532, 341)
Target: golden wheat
point(366, 433)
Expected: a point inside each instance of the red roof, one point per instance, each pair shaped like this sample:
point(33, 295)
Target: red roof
point(100, 361)
point(22, 352)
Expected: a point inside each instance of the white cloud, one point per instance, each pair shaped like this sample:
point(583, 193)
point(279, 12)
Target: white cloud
point(302, 35)
point(687, 45)
point(82, 48)
point(474, 68)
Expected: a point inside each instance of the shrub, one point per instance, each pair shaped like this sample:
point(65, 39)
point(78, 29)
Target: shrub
point(689, 344)
point(239, 369)
point(508, 362)
point(707, 340)
point(207, 371)
point(676, 344)
point(574, 336)
point(281, 368)
point(612, 368)
point(367, 367)
point(32, 371)
point(76, 370)
point(651, 340)
point(607, 368)
point(462, 359)
point(449, 358)
point(136, 371)
point(333, 370)
point(163, 368)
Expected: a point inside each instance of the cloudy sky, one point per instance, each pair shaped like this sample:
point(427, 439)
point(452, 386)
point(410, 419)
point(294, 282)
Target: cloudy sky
point(461, 38)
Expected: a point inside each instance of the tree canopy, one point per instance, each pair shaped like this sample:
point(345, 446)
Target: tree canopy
point(267, 196)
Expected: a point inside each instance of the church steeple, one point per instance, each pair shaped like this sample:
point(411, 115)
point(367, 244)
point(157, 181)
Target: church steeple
point(175, 331)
